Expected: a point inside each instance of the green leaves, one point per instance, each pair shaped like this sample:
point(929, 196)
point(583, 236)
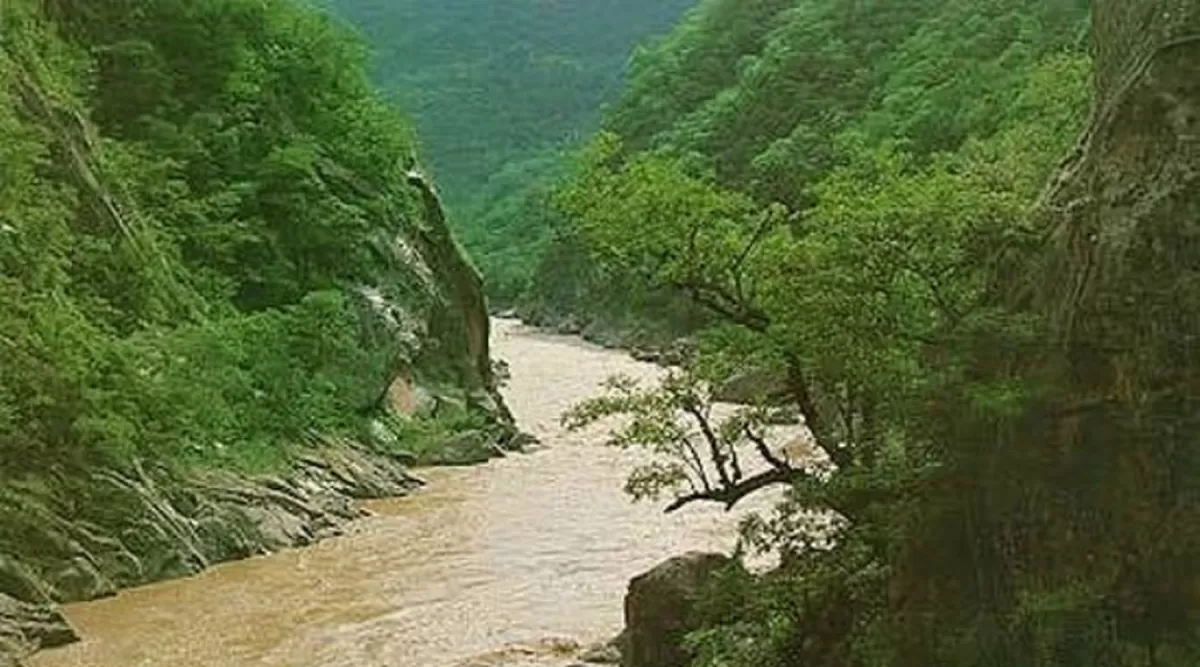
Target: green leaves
point(190, 193)
point(496, 84)
point(649, 418)
point(651, 219)
point(906, 142)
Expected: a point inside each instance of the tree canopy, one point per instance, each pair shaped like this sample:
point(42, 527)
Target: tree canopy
point(990, 346)
point(197, 200)
point(855, 193)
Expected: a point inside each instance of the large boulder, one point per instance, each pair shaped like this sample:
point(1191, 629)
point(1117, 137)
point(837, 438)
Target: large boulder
point(658, 609)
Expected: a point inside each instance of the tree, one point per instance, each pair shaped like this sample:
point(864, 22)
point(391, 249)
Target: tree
point(762, 95)
point(1009, 399)
point(203, 210)
point(1076, 513)
point(703, 457)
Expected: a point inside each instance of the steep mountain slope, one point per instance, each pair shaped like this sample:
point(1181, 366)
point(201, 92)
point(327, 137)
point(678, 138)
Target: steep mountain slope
point(769, 97)
point(498, 90)
point(906, 220)
point(215, 263)
point(490, 83)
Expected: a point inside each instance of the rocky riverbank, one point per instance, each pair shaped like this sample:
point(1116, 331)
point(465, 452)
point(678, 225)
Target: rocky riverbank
point(157, 344)
point(663, 347)
point(140, 525)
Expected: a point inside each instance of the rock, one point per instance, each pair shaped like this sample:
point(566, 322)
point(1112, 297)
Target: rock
point(509, 438)
point(557, 645)
point(26, 627)
point(602, 654)
point(12, 648)
point(403, 457)
point(80, 579)
point(521, 441)
point(403, 399)
point(658, 606)
point(467, 448)
point(646, 354)
point(135, 526)
point(676, 353)
point(18, 581)
point(569, 326)
point(753, 386)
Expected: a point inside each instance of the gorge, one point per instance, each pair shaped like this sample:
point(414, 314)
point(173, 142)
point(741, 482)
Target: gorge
point(254, 409)
point(510, 563)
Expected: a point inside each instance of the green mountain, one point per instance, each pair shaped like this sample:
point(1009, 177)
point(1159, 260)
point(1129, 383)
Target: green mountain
point(771, 97)
point(490, 83)
point(214, 261)
point(966, 253)
point(497, 90)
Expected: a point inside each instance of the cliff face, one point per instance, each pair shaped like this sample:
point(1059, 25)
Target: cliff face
point(223, 297)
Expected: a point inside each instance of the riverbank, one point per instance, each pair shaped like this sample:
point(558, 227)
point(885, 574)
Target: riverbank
point(495, 564)
point(663, 346)
point(67, 538)
point(142, 525)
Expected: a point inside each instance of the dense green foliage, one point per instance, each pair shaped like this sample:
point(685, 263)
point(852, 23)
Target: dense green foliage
point(769, 97)
point(491, 84)
point(498, 90)
point(195, 199)
point(845, 186)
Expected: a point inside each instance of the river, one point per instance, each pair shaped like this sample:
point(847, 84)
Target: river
point(498, 565)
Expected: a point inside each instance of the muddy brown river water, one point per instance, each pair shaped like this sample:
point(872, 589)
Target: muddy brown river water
point(496, 565)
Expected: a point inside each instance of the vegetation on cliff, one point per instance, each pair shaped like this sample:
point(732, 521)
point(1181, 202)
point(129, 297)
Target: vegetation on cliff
point(210, 247)
point(228, 303)
point(213, 245)
point(499, 91)
point(777, 100)
point(998, 375)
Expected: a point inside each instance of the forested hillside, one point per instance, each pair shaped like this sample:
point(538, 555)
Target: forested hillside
point(199, 198)
point(213, 256)
point(769, 98)
point(885, 216)
point(953, 243)
point(498, 90)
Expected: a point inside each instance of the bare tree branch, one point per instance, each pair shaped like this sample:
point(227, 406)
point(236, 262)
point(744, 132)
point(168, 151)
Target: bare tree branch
point(720, 302)
point(694, 461)
point(735, 268)
point(735, 464)
point(768, 222)
point(729, 496)
point(714, 443)
point(801, 392)
point(765, 452)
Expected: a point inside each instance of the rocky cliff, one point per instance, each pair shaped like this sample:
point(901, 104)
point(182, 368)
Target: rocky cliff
point(228, 304)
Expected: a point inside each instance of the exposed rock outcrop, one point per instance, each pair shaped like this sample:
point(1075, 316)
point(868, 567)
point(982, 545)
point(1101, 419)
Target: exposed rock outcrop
point(140, 525)
point(658, 609)
point(607, 653)
point(467, 448)
point(27, 627)
point(675, 353)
